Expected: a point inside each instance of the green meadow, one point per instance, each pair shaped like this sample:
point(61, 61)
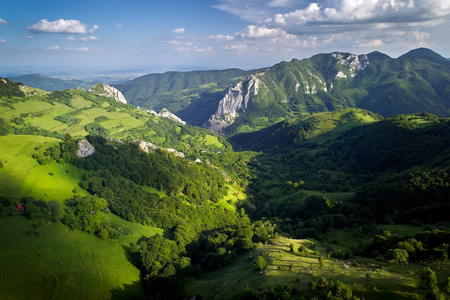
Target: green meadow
point(290, 268)
point(43, 260)
point(21, 174)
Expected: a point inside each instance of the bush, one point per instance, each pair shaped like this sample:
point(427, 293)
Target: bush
point(259, 263)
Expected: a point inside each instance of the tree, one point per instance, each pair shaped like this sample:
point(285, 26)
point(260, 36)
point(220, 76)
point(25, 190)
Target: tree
point(321, 262)
point(259, 263)
point(429, 285)
point(398, 256)
point(339, 291)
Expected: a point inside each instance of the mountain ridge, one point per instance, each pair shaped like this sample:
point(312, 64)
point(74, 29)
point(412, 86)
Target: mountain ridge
point(416, 82)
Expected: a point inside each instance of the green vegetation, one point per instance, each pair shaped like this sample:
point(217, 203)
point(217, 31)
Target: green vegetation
point(410, 84)
point(334, 205)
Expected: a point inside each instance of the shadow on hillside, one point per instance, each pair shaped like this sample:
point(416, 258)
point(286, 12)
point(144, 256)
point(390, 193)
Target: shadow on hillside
point(134, 291)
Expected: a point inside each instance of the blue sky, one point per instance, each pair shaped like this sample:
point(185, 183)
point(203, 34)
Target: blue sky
point(156, 36)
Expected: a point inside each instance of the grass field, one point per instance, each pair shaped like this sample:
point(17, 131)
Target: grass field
point(285, 267)
point(23, 176)
point(49, 261)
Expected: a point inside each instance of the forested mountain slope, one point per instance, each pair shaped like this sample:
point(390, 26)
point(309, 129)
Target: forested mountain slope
point(415, 82)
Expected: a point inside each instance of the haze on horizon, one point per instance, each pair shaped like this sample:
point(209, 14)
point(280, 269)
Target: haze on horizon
point(155, 36)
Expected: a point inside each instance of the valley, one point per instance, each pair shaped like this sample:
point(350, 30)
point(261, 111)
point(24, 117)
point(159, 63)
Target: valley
point(321, 178)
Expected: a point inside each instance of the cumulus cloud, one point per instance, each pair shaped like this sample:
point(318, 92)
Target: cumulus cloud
point(221, 37)
point(70, 38)
point(351, 15)
point(118, 25)
point(61, 26)
point(253, 31)
point(179, 30)
point(53, 48)
point(2, 41)
point(89, 38)
point(3, 22)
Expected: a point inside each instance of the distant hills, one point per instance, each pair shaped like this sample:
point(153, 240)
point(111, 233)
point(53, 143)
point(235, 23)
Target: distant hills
point(49, 84)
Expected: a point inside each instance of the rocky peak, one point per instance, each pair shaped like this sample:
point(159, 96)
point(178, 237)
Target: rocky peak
point(108, 91)
point(352, 61)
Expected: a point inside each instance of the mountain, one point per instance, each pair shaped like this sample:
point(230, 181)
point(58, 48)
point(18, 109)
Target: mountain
point(49, 84)
point(418, 81)
point(425, 53)
point(193, 96)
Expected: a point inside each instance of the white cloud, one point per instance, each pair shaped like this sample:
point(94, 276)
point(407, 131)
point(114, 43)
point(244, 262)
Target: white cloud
point(253, 31)
point(179, 43)
point(2, 41)
point(118, 25)
point(94, 28)
point(70, 38)
point(53, 48)
point(221, 37)
point(3, 22)
point(29, 37)
point(372, 44)
point(346, 15)
point(81, 49)
point(179, 30)
point(208, 49)
point(89, 38)
point(61, 26)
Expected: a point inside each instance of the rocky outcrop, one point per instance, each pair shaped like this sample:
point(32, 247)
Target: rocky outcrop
point(236, 99)
point(145, 146)
point(85, 149)
point(165, 113)
point(150, 147)
point(352, 61)
point(107, 91)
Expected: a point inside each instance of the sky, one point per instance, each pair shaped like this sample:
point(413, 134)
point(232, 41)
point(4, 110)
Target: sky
point(146, 36)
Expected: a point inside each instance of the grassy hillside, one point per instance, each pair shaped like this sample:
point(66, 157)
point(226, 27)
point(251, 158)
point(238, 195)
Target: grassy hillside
point(79, 113)
point(21, 175)
point(50, 261)
point(316, 128)
point(291, 269)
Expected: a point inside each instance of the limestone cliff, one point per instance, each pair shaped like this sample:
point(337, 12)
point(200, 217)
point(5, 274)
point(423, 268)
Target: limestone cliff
point(236, 99)
point(107, 91)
